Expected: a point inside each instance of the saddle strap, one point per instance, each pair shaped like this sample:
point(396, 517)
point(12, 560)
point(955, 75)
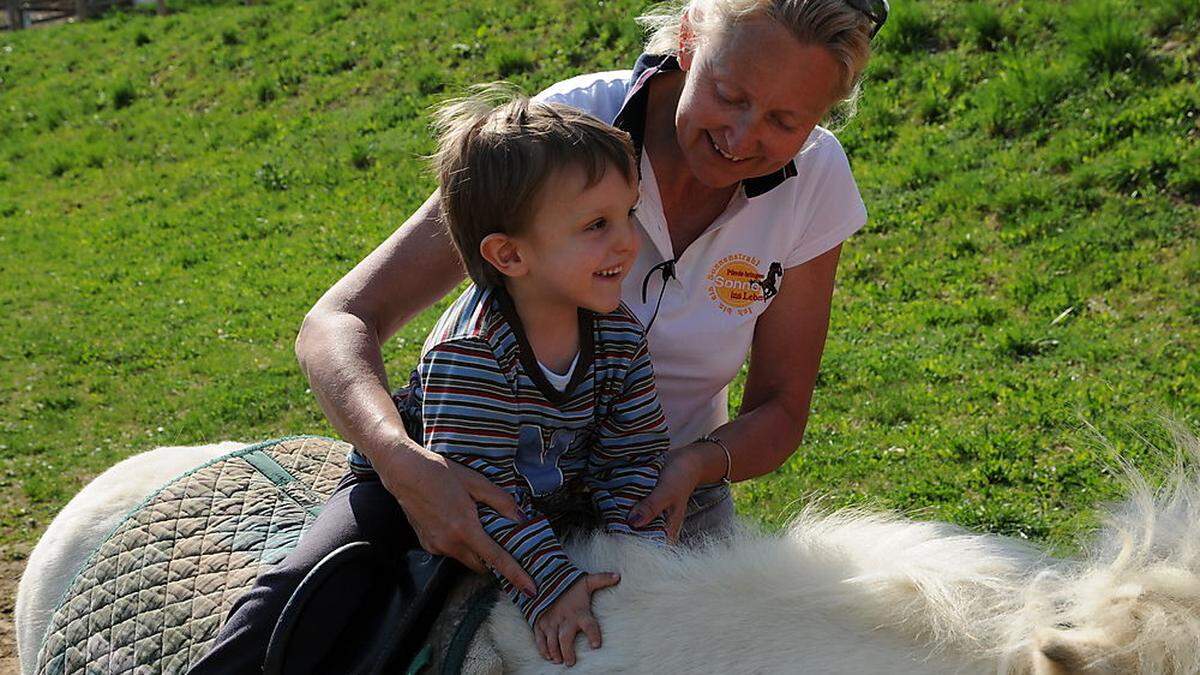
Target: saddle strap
point(289, 485)
point(479, 610)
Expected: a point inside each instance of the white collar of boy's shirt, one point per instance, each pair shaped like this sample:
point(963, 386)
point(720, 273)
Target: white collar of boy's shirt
point(556, 380)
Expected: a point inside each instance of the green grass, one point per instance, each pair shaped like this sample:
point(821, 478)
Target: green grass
point(175, 192)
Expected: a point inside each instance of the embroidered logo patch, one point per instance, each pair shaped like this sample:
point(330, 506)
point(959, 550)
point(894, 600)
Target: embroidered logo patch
point(736, 282)
point(538, 454)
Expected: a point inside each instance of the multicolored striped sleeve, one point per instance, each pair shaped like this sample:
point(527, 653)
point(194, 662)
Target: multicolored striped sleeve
point(625, 464)
point(535, 546)
point(470, 416)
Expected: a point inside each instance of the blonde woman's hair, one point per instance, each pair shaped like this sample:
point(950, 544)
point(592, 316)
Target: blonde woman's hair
point(832, 24)
point(496, 150)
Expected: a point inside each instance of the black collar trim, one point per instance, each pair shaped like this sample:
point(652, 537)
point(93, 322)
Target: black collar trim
point(529, 360)
point(632, 118)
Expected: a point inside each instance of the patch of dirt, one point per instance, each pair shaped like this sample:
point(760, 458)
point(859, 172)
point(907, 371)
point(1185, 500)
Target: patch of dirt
point(11, 565)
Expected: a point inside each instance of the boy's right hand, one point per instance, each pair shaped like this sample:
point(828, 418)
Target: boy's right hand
point(439, 497)
point(571, 614)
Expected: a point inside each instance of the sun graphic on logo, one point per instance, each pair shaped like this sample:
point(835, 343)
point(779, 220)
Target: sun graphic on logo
point(732, 283)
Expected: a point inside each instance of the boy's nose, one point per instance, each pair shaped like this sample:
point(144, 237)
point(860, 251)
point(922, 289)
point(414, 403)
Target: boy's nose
point(627, 239)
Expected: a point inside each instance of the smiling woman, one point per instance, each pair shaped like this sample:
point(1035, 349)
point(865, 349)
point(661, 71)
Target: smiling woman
point(743, 205)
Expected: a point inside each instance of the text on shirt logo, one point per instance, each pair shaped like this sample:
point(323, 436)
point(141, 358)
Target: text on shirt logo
point(736, 283)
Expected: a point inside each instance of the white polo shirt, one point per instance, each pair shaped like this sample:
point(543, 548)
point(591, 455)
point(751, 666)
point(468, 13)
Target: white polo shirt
point(724, 280)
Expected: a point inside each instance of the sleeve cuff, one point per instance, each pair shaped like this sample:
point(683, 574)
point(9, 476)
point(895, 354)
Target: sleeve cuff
point(535, 547)
point(655, 531)
point(550, 589)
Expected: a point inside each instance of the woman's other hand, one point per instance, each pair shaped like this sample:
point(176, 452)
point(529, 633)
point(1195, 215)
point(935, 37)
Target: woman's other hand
point(685, 469)
point(439, 497)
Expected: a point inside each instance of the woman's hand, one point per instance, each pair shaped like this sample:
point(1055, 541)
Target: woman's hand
point(684, 470)
point(439, 497)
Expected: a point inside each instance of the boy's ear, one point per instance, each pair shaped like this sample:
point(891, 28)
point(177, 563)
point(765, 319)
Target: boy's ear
point(503, 253)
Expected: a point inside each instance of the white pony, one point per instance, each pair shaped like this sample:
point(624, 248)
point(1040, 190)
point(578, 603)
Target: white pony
point(843, 592)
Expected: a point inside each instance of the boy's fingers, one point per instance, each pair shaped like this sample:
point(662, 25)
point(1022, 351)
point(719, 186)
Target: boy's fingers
point(566, 641)
point(595, 582)
point(503, 563)
point(553, 648)
point(540, 637)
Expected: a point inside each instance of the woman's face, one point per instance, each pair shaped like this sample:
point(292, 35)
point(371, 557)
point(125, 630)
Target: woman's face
point(750, 99)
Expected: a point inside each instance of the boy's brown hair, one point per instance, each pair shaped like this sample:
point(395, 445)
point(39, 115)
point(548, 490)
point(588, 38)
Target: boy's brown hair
point(496, 148)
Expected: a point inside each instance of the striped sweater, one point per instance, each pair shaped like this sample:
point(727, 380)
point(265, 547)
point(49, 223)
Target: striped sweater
point(479, 397)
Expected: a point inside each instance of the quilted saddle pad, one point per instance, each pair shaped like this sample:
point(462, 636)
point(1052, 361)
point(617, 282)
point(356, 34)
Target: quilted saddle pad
point(152, 597)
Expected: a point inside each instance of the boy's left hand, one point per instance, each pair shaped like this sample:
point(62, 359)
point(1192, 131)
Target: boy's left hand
point(571, 614)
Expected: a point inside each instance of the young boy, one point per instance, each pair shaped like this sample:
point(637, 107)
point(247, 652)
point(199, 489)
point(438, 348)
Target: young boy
point(537, 377)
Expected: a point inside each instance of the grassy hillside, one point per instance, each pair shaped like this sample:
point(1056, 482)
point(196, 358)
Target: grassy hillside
point(175, 193)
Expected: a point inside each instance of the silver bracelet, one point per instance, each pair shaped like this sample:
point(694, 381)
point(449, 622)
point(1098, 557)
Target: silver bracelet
point(709, 438)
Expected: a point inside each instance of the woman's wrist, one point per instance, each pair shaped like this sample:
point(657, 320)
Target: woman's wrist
point(704, 461)
point(720, 443)
point(400, 460)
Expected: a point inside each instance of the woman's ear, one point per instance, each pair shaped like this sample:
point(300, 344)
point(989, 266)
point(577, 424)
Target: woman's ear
point(503, 253)
point(687, 40)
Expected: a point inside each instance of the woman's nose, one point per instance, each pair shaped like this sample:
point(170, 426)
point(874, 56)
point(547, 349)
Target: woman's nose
point(739, 137)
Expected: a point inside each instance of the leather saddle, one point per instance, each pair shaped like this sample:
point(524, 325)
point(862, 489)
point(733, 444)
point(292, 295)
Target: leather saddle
point(389, 628)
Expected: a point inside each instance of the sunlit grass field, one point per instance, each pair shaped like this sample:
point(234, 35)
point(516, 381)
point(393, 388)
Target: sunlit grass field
point(175, 192)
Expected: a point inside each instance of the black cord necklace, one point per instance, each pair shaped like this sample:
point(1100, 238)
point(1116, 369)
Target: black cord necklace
point(667, 268)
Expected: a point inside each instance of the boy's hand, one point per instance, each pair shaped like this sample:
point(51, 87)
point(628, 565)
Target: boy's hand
point(556, 629)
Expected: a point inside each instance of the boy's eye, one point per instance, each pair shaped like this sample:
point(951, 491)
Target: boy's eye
point(597, 224)
point(633, 212)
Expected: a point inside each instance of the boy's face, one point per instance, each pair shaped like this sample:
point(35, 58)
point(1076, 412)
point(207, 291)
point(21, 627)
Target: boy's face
point(581, 242)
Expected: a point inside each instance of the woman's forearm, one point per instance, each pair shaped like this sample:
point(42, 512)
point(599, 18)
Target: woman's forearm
point(759, 441)
point(766, 436)
point(338, 346)
point(342, 360)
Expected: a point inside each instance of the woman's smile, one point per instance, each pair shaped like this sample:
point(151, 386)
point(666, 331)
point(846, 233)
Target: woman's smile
point(717, 147)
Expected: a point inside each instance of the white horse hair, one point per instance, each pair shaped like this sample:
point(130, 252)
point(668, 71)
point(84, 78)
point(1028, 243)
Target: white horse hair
point(842, 592)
